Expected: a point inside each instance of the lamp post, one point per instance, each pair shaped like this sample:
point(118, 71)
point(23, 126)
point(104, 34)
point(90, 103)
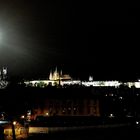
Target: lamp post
point(13, 130)
point(13, 123)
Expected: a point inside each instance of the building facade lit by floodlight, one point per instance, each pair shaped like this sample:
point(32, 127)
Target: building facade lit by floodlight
point(57, 78)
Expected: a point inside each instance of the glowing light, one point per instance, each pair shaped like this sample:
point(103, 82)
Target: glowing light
point(29, 112)
point(14, 122)
point(120, 97)
point(4, 122)
point(74, 108)
point(22, 116)
point(111, 115)
point(90, 78)
point(47, 114)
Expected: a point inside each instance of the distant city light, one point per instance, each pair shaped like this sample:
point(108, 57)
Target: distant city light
point(115, 84)
point(111, 115)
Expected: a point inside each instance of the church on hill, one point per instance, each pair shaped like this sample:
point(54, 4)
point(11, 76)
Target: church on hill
point(58, 75)
point(56, 78)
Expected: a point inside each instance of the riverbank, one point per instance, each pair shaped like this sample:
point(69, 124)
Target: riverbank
point(100, 133)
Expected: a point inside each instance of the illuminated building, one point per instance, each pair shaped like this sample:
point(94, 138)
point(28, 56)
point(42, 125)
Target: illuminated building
point(63, 83)
point(57, 78)
point(69, 107)
point(65, 102)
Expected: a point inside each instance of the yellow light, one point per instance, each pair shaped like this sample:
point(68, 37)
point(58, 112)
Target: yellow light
point(14, 122)
point(47, 114)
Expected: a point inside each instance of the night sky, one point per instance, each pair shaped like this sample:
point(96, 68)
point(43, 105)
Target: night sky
point(82, 39)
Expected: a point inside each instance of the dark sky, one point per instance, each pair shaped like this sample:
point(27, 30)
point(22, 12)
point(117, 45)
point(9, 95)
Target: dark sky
point(82, 39)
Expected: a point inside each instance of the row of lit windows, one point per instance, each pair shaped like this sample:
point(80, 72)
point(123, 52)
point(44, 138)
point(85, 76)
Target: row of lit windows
point(72, 103)
point(72, 110)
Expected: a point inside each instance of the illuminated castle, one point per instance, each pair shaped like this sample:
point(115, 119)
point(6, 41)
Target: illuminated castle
point(56, 75)
point(57, 78)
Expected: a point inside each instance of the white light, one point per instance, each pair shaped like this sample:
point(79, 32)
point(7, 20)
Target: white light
point(22, 116)
point(111, 115)
point(29, 112)
point(90, 78)
point(4, 122)
point(137, 122)
point(121, 98)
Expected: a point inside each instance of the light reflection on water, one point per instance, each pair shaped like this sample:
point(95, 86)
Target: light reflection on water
point(89, 134)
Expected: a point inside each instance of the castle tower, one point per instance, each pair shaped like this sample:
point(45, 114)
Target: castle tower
point(50, 76)
point(55, 74)
point(56, 70)
point(90, 78)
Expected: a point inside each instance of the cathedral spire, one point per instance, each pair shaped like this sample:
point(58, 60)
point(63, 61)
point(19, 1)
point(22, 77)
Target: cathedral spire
point(50, 76)
point(56, 69)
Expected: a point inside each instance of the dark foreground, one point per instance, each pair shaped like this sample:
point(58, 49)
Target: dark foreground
point(89, 134)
